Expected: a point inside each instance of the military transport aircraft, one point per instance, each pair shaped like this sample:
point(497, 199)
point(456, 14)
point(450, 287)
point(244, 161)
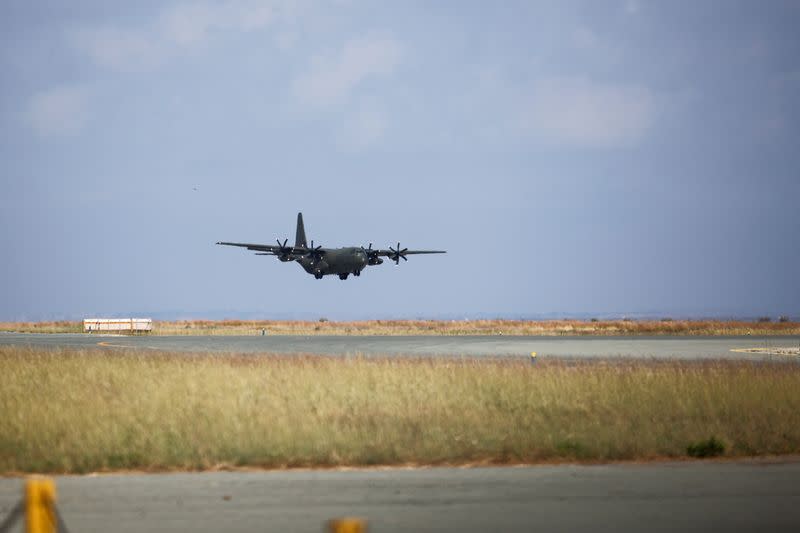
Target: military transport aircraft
point(321, 261)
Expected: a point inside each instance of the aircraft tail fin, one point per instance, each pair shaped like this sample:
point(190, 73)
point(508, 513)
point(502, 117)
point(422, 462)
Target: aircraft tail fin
point(300, 236)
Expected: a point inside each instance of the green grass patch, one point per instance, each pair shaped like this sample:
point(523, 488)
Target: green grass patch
point(81, 411)
point(712, 447)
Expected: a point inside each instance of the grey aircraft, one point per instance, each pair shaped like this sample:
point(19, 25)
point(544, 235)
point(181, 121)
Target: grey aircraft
point(320, 261)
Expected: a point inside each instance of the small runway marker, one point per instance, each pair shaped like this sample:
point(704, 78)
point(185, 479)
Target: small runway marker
point(106, 344)
point(109, 345)
point(347, 525)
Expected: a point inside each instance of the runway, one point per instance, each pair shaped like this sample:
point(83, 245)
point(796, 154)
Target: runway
point(470, 346)
point(695, 496)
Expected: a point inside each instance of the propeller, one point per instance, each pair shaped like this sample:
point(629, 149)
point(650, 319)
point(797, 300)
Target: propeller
point(372, 255)
point(314, 253)
point(397, 254)
point(284, 252)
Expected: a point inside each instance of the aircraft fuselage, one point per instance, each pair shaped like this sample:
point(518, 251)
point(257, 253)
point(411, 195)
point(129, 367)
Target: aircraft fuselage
point(341, 261)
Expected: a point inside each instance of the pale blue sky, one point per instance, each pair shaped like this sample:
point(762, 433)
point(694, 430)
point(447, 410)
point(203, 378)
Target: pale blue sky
point(612, 157)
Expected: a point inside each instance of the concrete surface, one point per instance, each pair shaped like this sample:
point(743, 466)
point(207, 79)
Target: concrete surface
point(655, 347)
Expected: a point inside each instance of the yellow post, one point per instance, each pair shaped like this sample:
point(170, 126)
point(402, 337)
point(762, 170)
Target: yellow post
point(347, 525)
point(40, 500)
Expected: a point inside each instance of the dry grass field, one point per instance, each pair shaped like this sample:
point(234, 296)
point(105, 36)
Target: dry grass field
point(439, 327)
point(81, 411)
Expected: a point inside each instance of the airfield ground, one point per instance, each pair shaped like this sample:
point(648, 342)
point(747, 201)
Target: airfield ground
point(663, 347)
point(440, 327)
point(75, 411)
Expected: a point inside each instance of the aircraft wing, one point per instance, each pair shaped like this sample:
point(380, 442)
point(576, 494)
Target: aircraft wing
point(271, 248)
point(396, 254)
point(389, 253)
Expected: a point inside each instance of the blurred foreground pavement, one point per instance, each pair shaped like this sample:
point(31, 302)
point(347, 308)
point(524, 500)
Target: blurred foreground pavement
point(689, 496)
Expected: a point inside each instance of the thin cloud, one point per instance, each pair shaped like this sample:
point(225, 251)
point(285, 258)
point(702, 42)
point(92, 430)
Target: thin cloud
point(122, 49)
point(362, 130)
point(60, 111)
point(186, 24)
point(332, 77)
point(632, 7)
point(174, 28)
point(578, 111)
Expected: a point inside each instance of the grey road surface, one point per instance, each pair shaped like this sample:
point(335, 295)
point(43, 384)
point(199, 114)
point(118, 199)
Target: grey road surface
point(662, 497)
point(655, 347)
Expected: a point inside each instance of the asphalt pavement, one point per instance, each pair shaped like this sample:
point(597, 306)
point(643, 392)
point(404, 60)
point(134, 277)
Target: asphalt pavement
point(689, 496)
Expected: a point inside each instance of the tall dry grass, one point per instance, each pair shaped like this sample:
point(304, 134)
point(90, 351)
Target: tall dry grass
point(56, 326)
point(439, 327)
point(80, 411)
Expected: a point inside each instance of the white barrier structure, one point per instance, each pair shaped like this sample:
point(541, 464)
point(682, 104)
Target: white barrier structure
point(117, 324)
